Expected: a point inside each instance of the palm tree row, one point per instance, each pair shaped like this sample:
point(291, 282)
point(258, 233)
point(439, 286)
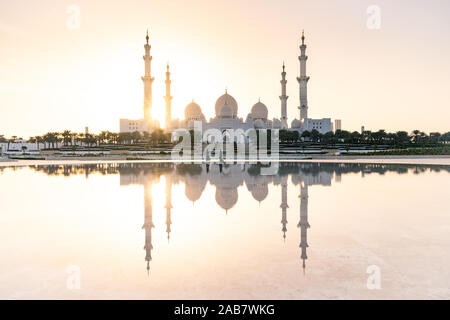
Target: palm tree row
point(52, 140)
point(416, 137)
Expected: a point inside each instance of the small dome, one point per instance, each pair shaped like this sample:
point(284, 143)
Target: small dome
point(226, 112)
point(226, 99)
point(259, 124)
point(276, 124)
point(194, 184)
point(259, 111)
point(260, 192)
point(193, 192)
point(295, 124)
point(193, 111)
point(226, 198)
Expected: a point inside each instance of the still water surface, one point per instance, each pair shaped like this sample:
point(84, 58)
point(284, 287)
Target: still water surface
point(191, 231)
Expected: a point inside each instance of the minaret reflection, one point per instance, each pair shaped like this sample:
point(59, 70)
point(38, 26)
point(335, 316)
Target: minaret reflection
point(226, 179)
point(148, 223)
point(168, 205)
point(303, 224)
point(284, 207)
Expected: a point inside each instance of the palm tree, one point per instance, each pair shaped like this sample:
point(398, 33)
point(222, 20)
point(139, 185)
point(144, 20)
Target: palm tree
point(124, 137)
point(380, 136)
point(33, 140)
point(446, 137)
point(315, 135)
point(367, 136)
point(306, 134)
point(74, 138)
point(328, 137)
point(146, 136)
point(51, 138)
point(435, 137)
point(55, 139)
point(402, 137)
point(355, 136)
point(423, 135)
point(11, 140)
point(416, 135)
point(67, 137)
point(135, 136)
point(113, 137)
point(89, 139)
point(103, 137)
point(157, 136)
point(79, 138)
point(39, 140)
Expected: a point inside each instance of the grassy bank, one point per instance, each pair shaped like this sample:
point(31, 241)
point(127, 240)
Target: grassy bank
point(440, 151)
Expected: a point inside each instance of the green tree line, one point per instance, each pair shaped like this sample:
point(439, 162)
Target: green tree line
point(68, 138)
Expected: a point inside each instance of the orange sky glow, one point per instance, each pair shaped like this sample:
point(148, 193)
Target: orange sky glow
point(55, 78)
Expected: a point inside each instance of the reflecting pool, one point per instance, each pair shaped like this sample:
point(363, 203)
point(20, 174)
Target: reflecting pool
point(225, 231)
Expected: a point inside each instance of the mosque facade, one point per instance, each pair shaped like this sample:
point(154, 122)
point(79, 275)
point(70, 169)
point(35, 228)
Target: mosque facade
point(226, 108)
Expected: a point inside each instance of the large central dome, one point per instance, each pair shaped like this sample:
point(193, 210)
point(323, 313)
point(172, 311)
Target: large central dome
point(226, 111)
point(226, 99)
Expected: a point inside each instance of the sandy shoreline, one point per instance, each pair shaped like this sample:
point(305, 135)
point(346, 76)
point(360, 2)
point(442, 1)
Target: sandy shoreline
point(426, 160)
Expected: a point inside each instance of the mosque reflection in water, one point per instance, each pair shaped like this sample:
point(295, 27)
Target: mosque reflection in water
point(226, 178)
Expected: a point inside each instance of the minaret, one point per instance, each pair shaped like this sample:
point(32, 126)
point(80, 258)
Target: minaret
point(148, 224)
point(168, 99)
point(168, 205)
point(303, 81)
point(283, 98)
point(148, 80)
point(303, 224)
point(283, 207)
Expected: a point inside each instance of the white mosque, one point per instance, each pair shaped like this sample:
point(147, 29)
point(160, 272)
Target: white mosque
point(226, 108)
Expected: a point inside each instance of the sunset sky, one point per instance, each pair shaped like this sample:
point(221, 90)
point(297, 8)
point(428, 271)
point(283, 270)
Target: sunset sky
point(54, 78)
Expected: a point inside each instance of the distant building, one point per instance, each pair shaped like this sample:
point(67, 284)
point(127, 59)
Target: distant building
point(127, 125)
point(321, 125)
point(337, 124)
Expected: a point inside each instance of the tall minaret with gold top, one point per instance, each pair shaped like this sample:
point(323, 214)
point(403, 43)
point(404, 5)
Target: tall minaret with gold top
point(148, 80)
point(303, 81)
point(168, 99)
point(283, 98)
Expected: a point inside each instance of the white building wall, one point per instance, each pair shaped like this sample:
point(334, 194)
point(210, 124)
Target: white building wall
point(129, 125)
point(17, 147)
point(321, 125)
